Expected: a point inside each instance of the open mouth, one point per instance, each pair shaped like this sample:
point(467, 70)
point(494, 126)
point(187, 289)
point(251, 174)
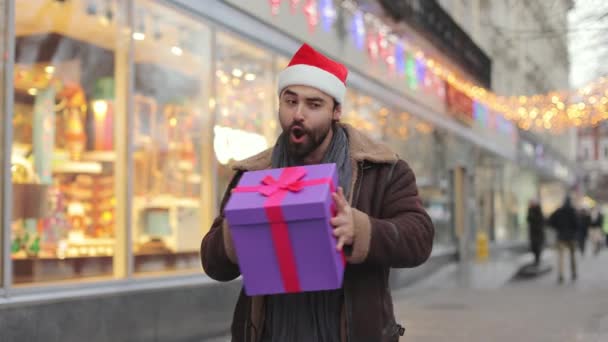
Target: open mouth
point(297, 134)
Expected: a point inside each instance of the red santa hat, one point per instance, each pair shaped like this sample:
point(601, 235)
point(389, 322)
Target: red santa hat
point(310, 68)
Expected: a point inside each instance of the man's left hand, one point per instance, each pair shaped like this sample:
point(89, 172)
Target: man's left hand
point(344, 227)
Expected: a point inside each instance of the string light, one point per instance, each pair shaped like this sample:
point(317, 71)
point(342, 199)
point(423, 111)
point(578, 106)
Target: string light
point(554, 111)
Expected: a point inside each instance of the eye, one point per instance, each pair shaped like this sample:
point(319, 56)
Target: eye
point(316, 105)
point(290, 101)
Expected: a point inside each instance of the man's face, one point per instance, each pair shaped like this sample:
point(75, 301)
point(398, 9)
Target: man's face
point(306, 116)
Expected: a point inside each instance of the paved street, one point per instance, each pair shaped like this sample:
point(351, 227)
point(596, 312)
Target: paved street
point(481, 304)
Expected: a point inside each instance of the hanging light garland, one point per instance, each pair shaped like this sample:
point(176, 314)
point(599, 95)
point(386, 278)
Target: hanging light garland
point(554, 111)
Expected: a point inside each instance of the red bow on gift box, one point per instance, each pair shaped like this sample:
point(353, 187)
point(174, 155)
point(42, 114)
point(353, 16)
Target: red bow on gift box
point(289, 181)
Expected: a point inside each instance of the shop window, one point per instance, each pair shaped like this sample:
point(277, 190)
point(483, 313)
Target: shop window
point(172, 183)
point(604, 149)
point(586, 149)
point(414, 140)
point(4, 117)
point(246, 117)
point(63, 158)
point(365, 113)
point(280, 65)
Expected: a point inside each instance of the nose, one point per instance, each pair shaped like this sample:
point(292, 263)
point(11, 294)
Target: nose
point(298, 115)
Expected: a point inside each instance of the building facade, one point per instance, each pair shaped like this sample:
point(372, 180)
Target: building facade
point(529, 55)
point(124, 119)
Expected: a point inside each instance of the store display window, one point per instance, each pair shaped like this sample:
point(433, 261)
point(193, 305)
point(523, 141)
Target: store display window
point(63, 158)
point(246, 117)
point(170, 120)
point(364, 113)
point(416, 142)
point(5, 117)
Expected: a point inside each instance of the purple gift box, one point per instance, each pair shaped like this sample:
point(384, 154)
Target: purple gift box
point(279, 221)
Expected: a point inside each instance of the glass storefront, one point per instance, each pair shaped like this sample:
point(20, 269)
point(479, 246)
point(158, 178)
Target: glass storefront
point(5, 117)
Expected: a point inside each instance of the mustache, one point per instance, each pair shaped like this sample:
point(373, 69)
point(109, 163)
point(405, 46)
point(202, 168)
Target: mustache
point(300, 126)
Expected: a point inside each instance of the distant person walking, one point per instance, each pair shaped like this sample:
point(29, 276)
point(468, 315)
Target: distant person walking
point(583, 232)
point(565, 221)
point(595, 229)
point(606, 231)
point(536, 230)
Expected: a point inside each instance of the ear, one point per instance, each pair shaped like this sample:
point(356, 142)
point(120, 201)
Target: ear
point(337, 113)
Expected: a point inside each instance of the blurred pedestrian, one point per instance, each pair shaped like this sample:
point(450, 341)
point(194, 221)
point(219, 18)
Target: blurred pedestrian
point(595, 229)
point(605, 226)
point(565, 221)
point(536, 230)
point(583, 232)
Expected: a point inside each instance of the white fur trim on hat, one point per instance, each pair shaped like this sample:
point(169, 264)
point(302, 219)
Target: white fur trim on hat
point(308, 75)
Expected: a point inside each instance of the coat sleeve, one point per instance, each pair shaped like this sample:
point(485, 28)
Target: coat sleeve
point(403, 235)
point(217, 251)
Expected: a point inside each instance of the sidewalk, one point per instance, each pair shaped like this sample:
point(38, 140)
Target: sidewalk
point(491, 274)
point(480, 303)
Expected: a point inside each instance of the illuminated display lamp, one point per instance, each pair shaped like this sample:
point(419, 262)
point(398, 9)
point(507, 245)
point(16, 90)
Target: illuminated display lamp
point(275, 5)
point(140, 31)
point(372, 47)
point(328, 14)
point(358, 30)
point(399, 58)
point(312, 14)
point(293, 5)
point(410, 71)
point(235, 144)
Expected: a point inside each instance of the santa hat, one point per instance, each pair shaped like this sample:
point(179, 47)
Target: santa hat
point(310, 68)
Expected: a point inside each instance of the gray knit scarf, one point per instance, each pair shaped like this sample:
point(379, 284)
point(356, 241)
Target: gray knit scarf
point(309, 316)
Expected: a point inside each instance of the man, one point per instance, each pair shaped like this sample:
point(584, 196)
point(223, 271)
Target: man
point(566, 223)
point(379, 224)
point(596, 223)
point(583, 231)
point(536, 232)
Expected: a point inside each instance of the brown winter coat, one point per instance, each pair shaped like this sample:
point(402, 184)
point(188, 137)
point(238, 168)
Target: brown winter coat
point(391, 230)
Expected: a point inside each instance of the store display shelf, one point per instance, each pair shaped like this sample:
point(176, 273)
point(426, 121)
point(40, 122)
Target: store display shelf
point(100, 156)
point(52, 269)
point(78, 167)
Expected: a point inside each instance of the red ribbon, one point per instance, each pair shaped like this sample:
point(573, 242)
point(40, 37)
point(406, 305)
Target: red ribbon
point(276, 190)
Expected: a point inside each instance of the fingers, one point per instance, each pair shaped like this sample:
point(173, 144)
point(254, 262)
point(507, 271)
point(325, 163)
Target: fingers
point(341, 242)
point(339, 220)
point(340, 200)
point(344, 235)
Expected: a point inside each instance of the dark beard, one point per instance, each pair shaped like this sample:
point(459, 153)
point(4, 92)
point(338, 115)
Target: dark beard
point(315, 139)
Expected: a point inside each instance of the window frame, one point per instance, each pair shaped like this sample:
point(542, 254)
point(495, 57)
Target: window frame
point(603, 147)
point(7, 13)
